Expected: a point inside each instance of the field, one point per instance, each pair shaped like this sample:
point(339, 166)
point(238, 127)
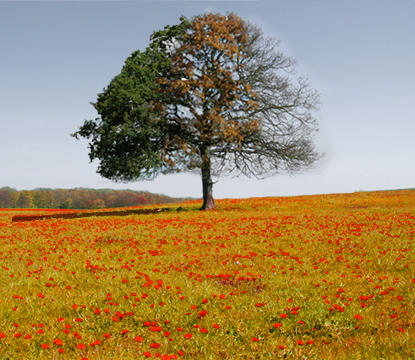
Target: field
point(312, 277)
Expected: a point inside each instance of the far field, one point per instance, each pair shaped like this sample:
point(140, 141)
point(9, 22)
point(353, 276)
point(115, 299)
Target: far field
point(312, 277)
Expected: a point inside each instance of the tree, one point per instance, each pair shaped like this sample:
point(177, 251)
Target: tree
point(25, 200)
point(98, 204)
point(42, 198)
point(211, 94)
point(8, 197)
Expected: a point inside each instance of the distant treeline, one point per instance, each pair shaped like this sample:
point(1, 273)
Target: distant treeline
point(79, 198)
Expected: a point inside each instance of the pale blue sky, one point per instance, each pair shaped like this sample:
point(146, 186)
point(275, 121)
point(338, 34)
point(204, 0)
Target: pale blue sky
point(359, 54)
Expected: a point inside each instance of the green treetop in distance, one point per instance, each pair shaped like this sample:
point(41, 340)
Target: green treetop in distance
point(210, 94)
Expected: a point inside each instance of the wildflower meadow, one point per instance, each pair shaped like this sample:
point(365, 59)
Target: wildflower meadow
point(309, 277)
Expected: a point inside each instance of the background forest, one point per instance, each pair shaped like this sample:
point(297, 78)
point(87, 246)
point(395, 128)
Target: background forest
point(79, 198)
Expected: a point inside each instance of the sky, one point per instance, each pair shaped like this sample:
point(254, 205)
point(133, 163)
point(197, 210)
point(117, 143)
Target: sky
point(56, 56)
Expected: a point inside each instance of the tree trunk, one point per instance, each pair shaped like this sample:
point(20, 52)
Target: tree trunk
point(207, 183)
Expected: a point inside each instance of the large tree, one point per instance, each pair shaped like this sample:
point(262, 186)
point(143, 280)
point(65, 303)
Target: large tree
point(211, 94)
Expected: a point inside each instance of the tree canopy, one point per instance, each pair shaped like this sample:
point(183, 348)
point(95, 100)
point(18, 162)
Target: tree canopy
point(210, 94)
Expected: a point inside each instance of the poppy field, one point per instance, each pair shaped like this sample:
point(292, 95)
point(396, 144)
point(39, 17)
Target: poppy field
point(308, 277)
